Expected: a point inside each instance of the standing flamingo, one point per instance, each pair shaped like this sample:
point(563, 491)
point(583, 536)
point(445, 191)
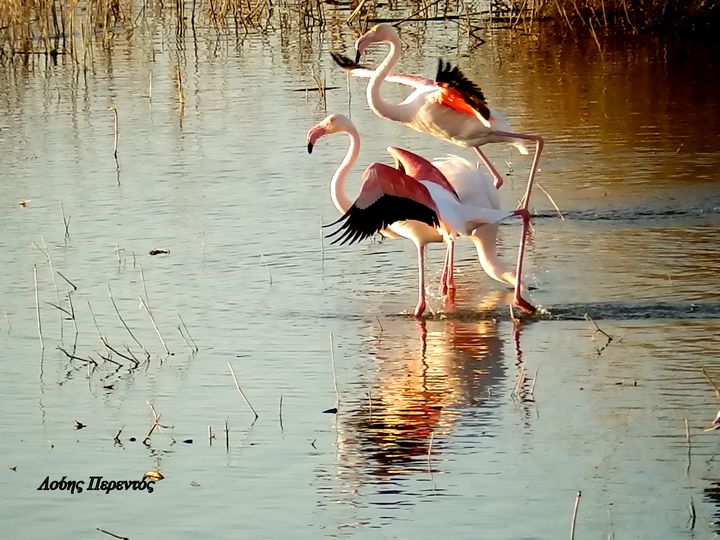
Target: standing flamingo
point(451, 107)
point(396, 204)
point(475, 189)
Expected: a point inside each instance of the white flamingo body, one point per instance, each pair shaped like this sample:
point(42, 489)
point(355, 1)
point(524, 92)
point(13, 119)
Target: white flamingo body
point(456, 217)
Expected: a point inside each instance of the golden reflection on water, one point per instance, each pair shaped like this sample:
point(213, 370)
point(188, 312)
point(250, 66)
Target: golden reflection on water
point(423, 377)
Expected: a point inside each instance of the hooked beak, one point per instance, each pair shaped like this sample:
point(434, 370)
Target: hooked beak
point(310, 147)
point(358, 54)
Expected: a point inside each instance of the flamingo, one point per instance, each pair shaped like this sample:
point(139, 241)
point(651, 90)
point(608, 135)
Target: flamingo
point(451, 107)
point(399, 205)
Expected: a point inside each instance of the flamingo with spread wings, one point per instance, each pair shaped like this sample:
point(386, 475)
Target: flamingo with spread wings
point(451, 107)
point(393, 202)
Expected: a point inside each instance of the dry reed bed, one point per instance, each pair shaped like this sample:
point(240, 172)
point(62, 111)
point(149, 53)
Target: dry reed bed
point(56, 27)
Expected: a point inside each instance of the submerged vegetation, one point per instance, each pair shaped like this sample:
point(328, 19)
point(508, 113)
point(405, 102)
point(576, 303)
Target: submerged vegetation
point(68, 27)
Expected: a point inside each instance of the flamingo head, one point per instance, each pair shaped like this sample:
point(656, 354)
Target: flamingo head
point(383, 32)
point(335, 123)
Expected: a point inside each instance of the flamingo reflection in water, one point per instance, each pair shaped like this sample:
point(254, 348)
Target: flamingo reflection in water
point(426, 379)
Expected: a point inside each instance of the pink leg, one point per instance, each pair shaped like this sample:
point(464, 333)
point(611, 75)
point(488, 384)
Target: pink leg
point(539, 143)
point(518, 299)
point(497, 179)
point(443, 277)
point(421, 281)
point(450, 278)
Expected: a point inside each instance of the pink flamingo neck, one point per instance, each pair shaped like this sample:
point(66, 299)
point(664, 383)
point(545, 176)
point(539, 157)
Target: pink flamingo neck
point(337, 186)
point(397, 112)
point(484, 239)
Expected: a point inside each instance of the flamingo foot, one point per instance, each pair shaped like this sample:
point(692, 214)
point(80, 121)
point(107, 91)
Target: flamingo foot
point(524, 305)
point(497, 182)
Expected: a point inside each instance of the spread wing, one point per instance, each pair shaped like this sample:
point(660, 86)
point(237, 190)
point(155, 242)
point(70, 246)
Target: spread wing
point(461, 93)
point(387, 195)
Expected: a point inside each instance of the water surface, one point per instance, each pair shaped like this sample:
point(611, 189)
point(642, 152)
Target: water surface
point(434, 435)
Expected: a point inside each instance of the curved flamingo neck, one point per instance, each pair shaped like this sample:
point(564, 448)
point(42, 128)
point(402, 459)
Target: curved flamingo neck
point(337, 186)
point(484, 240)
point(379, 106)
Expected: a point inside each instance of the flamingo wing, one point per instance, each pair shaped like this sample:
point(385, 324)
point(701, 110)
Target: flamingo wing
point(387, 195)
point(358, 70)
point(420, 168)
point(460, 93)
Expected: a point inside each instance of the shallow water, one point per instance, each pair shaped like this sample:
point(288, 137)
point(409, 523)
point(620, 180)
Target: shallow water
point(434, 435)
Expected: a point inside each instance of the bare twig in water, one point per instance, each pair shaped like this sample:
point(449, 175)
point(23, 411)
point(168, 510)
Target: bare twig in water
point(125, 324)
point(601, 331)
point(110, 348)
point(97, 327)
point(66, 279)
point(117, 134)
point(552, 201)
point(66, 221)
point(211, 436)
point(37, 309)
point(156, 424)
point(693, 516)
point(188, 333)
point(116, 438)
point(712, 383)
point(73, 357)
point(227, 436)
point(60, 308)
point(147, 298)
point(111, 534)
point(574, 516)
point(332, 360)
point(108, 359)
point(232, 372)
point(689, 447)
point(152, 320)
point(598, 329)
point(281, 422)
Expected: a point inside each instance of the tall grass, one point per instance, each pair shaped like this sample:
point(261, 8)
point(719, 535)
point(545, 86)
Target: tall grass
point(625, 16)
point(57, 27)
point(54, 27)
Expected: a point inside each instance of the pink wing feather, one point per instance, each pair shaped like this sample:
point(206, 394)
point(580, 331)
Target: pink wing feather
point(387, 195)
point(420, 168)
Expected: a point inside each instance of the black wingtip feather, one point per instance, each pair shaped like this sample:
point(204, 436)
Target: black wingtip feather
point(361, 223)
point(455, 78)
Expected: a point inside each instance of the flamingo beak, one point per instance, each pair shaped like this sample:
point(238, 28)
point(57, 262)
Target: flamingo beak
point(358, 54)
point(310, 147)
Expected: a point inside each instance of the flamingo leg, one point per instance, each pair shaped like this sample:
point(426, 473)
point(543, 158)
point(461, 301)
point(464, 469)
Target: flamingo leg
point(539, 143)
point(497, 178)
point(518, 300)
point(447, 280)
point(420, 308)
point(450, 278)
point(443, 277)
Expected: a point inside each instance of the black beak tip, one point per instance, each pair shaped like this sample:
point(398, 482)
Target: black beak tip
point(310, 147)
point(357, 57)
